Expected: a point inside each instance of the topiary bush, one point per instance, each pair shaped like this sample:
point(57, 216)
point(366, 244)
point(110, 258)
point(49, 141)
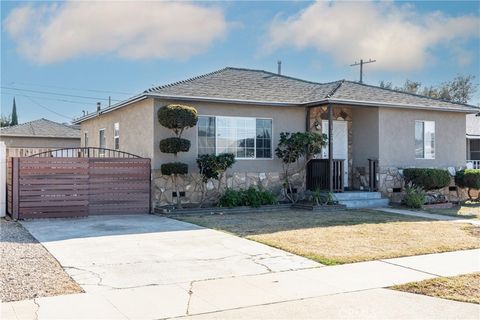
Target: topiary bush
point(174, 145)
point(172, 168)
point(427, 179)
point(415, 197)
point(251, 197)
point(468, 178)
point(177, 117)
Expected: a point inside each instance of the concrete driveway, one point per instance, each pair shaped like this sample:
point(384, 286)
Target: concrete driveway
point(150, 267)
point(117, 252)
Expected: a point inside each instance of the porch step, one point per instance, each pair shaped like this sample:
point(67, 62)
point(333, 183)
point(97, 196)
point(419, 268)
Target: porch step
point(365, 203)
point(356, 195)
point(361, 199)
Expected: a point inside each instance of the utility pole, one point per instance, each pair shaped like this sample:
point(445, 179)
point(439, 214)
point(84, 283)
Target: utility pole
point(361, 63)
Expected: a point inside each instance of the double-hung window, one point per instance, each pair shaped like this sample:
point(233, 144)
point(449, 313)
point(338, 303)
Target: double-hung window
point(246, 138)
point(116, 136)
point(424, 139)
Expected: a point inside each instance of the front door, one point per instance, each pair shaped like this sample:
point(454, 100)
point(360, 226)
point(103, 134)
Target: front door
point(340, 144)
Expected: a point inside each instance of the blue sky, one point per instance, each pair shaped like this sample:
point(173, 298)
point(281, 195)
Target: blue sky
point(55, 55)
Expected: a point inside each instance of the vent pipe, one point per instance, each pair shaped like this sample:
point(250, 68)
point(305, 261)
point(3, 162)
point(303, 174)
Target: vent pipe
point(99, 106)
point(279, 67)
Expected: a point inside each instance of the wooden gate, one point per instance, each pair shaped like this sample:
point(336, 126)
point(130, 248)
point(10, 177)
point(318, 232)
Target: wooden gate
point(46, 187)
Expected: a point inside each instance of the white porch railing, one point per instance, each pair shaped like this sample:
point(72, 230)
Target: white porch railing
point(473, 164)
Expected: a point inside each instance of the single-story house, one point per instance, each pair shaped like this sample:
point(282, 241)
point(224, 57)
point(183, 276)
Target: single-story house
point(39, 135)
point(243, 111)
point(473, 140)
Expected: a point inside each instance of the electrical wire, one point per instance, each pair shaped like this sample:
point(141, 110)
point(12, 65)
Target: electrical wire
point(69, 88)
point(46, 108)
point(44, 98)
point(59, 94)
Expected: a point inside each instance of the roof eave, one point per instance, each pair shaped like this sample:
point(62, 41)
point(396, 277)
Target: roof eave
point(391, 105)
point(37, 136)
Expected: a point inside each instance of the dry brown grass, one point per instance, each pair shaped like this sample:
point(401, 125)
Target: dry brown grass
point(465, 288)
point(345, 236)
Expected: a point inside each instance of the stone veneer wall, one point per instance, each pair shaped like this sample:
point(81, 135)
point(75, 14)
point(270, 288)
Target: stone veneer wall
point(317, 114)
point(192, 185)
point(390, 178)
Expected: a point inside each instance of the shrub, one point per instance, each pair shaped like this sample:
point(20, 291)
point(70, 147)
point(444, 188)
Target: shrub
point(320, 197)
point(212, 166)
point(177, 117)
point(415, 197)
point(249, 197)
point(173, 168)
point(469, 178)
point(174, 145)
point(427, 179)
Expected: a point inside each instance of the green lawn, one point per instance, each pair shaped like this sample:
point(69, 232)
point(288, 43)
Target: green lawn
point(344, 236)
point(465, 211)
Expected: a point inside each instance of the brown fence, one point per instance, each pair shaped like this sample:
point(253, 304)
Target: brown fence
point(40, 187)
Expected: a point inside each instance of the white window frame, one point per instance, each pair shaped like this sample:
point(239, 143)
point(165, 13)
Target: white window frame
point(424, 140)
point(85, 139)
point(102, 152)
point(116, 124)
point(255, 140)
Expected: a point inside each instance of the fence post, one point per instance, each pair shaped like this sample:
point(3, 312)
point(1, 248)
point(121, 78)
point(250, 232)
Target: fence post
point(3, 179)
point(15, 187)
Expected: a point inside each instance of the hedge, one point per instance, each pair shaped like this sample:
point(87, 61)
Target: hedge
point(469, 178)
point(428, 179)
point(174, 145)
point(171, 168)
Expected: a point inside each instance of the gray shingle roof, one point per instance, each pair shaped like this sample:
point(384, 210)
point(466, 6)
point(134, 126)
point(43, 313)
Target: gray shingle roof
point(245, 84)
point(258, 85)
point(41, 128)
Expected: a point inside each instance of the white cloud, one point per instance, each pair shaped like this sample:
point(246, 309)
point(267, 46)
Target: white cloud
point(133, 30)
point(395, 35)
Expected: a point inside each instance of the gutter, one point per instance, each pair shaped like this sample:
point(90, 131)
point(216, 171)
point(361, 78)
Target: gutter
point(32, 136)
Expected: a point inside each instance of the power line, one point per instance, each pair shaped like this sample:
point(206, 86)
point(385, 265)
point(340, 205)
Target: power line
point(45, 98)
point(361, 63)
point(46, 108)
point(58, 94)
point(70, 88)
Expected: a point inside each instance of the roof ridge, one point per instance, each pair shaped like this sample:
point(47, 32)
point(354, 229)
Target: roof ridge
point(409, 93)
point(183, 81)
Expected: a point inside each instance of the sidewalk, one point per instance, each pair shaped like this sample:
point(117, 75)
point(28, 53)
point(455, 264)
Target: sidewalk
point(432, 216)
point(285, 294)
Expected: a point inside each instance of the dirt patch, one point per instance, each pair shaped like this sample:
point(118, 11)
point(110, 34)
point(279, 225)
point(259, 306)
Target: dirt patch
point(27, 269)
point(465, 288)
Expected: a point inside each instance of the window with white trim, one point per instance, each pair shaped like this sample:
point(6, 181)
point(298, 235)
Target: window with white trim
point(116, 136)
point(424, 139)
point(101, 138)
point(85, 139)
point(246, 138)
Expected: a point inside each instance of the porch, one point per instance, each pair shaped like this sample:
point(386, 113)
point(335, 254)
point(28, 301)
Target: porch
point(349, 161)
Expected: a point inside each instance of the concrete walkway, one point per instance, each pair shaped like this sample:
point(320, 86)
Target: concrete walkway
point(162, 268)
point(432, 216)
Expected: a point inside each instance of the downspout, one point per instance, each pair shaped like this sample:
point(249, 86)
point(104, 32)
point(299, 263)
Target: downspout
point(307, 119)
point(330, 147)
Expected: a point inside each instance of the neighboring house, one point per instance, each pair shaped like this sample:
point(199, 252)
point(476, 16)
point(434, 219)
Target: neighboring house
point(243, 111)
point(39, 135)
point(473, 140)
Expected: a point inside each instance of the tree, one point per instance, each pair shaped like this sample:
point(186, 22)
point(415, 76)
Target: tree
point(177, 118)
point(4, 121)
point(293, 147)
point(14, 120)
point(460, 89)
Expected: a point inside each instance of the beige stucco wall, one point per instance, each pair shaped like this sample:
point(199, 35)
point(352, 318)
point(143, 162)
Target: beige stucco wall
point(136, 127)
point(284, 119)
point(397, 138)
point(33, 142)
point(365, 135)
